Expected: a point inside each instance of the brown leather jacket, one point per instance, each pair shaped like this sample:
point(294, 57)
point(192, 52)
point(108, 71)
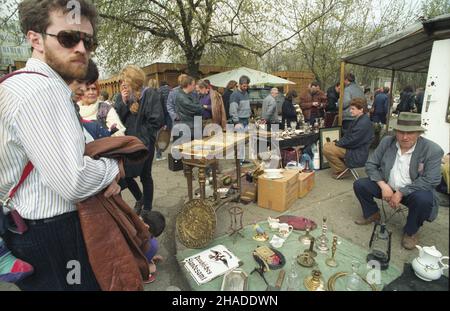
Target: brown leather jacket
point(116, 238)
point(306, 103)
point(218, 109)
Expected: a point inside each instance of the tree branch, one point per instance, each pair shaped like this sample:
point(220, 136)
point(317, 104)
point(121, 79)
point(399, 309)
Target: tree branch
point(300, 30)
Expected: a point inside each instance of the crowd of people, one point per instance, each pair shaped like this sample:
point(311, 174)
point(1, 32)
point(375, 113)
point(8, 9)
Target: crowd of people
point(52, 108)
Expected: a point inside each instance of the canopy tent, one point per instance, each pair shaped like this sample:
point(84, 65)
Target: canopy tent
point(406, 50)
point(256, 77)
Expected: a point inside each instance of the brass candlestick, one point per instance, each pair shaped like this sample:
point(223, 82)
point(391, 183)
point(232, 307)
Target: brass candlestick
point(315, 281)
point(331, 262)
point(311, 250)
point(305, 260)
point(306, 238)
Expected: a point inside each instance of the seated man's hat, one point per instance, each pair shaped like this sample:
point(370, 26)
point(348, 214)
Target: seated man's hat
point(408, 122)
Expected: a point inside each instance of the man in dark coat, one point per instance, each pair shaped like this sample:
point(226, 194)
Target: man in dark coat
point(332, 107)
point(352, 150)
point(407, 100)
point(380, 106)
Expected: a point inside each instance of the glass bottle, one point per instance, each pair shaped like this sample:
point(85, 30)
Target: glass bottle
point(354, 281)
point(293, 279)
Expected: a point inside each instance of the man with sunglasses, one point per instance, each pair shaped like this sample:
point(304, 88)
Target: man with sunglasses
point(38, 124)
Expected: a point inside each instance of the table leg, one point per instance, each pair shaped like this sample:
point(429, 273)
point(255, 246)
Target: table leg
point(238, 174)
point(202, 182)
point(214, 175)
point(188, 174)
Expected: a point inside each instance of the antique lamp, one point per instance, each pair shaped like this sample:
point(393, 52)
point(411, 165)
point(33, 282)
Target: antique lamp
point(380, 245)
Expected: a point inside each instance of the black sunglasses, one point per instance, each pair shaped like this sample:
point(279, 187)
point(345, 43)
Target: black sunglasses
point(71, 38)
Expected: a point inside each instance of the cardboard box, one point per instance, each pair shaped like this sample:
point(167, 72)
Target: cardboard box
point(278, 194)
point(305, 183)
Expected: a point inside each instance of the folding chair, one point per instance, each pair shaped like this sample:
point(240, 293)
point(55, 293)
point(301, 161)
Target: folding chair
point(352, 170)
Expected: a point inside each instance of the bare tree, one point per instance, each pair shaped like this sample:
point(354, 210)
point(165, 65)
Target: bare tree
point(147, 29)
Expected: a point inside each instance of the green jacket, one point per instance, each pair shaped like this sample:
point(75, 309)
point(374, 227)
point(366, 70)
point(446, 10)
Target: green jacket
point(187, 107)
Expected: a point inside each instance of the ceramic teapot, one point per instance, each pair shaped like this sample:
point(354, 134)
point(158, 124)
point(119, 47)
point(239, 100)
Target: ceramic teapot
point(429, 266)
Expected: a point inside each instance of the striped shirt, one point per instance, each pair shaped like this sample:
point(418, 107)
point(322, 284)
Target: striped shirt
point(38, 123)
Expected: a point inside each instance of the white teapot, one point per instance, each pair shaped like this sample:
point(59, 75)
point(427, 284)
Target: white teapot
point(429, 266)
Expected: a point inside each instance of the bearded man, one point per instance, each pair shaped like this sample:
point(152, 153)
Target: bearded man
point(39, 125)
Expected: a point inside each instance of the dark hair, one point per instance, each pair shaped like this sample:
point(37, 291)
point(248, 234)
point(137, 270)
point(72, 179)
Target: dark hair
point(366, 90)
point(360, 103)
point(350, 77)
point(207, 82)
point(244, 80)
point(291, 94)
point(385, 90)
point(163, 83)
point(104, 94)
point(338, 84)
point(315, 83)
point(155, 221)
point(231, 84)
point(92, 73)
point(408, 89)
point(35, 14)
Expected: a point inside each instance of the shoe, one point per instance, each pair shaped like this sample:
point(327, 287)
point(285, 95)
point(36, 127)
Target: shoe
point(366, 221)
point(410, 241)
point(161, 159)
point(138, 207)
point(151, 278)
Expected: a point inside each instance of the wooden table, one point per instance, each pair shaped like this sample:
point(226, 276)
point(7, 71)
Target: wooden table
point(206, 153)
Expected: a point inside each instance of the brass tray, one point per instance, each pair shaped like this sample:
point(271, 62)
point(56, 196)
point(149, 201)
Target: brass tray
point(196, 223)
point(235, 280)
point(334, 277)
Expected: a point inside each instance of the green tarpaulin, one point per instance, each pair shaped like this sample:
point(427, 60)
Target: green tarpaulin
point(242, 247)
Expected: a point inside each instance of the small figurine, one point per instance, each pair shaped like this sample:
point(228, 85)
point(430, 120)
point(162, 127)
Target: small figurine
point(261, 235)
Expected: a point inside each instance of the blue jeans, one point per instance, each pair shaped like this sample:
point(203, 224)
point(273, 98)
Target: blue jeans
point(419, 203)
point(243, 121)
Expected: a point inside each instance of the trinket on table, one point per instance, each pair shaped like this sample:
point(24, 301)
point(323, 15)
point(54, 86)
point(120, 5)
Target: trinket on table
point(322, 244)
point(315, 281)
point(331, 262)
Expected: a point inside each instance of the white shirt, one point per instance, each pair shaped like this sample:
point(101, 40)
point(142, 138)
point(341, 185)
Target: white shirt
point(399, 176)
point(38, 123)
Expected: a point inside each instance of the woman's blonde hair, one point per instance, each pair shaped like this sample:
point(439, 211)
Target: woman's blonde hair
point(134, 77)
point(152, 84)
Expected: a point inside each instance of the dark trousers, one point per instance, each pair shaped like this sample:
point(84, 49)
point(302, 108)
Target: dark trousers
point(146, 180)
point(56, 249)
point(419, 203)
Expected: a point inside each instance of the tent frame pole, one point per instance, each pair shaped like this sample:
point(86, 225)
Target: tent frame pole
point(341, 93)
point(391, 103)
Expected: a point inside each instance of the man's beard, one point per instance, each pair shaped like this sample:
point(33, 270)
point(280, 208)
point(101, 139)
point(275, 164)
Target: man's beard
point(67, 69)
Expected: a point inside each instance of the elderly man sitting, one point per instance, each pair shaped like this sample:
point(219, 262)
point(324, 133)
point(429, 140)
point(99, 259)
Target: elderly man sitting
point(352, 149)
point(405, 169)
